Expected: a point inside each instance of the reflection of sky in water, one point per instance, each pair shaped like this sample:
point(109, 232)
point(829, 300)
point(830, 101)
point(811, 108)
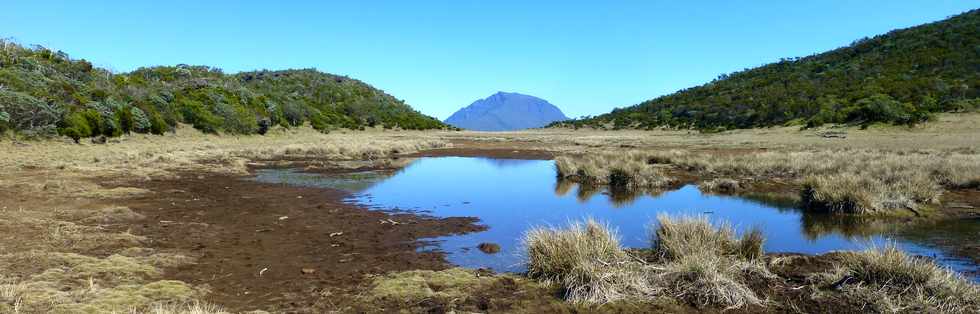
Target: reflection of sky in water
point(512, 195)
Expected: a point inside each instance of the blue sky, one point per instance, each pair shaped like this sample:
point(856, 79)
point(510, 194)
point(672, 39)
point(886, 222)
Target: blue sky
point(586, 57)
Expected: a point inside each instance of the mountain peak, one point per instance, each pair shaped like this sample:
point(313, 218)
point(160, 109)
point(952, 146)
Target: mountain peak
point(505, 111)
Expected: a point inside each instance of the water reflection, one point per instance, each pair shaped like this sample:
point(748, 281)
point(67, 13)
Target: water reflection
point(511, 196)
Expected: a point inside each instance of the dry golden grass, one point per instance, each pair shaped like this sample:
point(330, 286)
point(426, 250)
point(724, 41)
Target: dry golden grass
point(890, 280)
point(701, 265)
point(630, 171)
point(720, 185)
point(948, 132)
point(673, 238)
point(151, 156)
point(44, 242)
point(586, 260)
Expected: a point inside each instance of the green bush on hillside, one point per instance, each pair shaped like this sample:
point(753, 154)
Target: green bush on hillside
point(900, 77)
point(44, 92)
point(27, 113)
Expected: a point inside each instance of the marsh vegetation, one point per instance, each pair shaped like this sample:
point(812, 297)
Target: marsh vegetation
point(845, 181)
point(694, 262)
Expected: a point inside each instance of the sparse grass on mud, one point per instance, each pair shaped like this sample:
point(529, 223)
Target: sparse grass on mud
point(59, 252)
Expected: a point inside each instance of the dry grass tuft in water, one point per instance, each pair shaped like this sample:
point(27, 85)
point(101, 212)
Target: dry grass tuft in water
point(854, 181)
point(890, 280)
point(629, 171)
point(674, 238)
point(719, 185)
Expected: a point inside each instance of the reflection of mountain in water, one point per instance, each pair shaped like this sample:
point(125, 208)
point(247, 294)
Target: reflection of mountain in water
point(505, 162)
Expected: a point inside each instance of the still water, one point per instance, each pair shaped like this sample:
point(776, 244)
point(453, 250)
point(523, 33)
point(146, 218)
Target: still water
point(510, 196)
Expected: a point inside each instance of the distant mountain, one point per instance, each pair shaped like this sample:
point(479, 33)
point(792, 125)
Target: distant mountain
point(506, 112)
point(901, 77)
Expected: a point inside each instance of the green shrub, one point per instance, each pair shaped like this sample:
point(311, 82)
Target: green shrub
point(141, 122)
point(194, 113)
point(27, 113)
point(76, 126)
point(157, 123)
point(236, 119)
point(4, 121)
point(125, 118)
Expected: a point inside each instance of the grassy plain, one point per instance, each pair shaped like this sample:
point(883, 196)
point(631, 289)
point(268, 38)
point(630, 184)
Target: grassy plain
point(64, 246)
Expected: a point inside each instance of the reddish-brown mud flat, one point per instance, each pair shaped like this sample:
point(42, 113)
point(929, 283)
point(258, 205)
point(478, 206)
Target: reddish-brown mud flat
point(261, 246)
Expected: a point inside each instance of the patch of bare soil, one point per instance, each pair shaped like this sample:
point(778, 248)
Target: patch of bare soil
point(267, 246)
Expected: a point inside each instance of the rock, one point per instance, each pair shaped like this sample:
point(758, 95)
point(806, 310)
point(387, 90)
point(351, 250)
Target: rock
point(308, 271)
point(264, 125)
point(489, 248)
point(99, 140)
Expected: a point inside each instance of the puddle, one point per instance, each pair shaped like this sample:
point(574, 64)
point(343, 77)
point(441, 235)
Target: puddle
point(511, 196)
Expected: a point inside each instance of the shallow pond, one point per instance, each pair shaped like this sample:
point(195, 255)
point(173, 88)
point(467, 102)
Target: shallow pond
point(510, 196)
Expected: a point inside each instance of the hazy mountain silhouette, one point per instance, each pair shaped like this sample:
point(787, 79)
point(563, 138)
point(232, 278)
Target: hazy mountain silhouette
point(505, 112)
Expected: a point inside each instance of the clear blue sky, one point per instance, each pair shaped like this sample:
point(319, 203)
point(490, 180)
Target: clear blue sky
point(586, 57)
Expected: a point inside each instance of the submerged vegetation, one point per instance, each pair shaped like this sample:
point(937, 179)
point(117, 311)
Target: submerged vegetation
point(901, 77)
point(45, 92)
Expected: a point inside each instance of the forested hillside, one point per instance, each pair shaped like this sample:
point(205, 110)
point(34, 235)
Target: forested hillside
point(900, 77)
point(44, 92)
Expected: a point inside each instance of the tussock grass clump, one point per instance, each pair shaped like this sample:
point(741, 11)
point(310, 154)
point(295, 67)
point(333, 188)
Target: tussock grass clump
point(701, 265)
point(705, 279)
point(854, 181)
point(676, 238)
point(625, 171)
point(73, 283)
point(707, 265)
point(854, 194)
point(585, 259)
point(901, 282)
point(719, 185)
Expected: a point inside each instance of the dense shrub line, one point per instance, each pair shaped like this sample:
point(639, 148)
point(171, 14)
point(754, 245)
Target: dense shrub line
point(900, 77)
point(43, 92)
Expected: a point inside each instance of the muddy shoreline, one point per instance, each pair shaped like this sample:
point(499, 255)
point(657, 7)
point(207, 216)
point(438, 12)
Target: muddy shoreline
point(269, 246)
